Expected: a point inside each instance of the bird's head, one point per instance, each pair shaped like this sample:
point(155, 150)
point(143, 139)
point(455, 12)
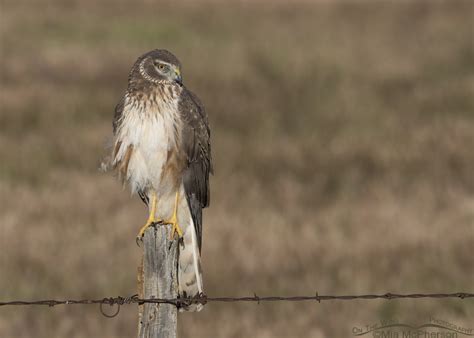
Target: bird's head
point(157, 66)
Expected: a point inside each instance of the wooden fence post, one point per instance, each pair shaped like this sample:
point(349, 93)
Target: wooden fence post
point(157, 278)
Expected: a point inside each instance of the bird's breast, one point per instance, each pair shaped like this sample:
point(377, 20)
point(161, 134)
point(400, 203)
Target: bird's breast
point(152, 129)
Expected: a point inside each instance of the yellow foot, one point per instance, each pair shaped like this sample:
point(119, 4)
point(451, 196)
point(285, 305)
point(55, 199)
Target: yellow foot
point(150, 222)
point(174, 220)
point(151, 218)
point(176, 229)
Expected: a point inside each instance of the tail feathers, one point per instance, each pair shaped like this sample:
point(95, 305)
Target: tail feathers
point(189, 268)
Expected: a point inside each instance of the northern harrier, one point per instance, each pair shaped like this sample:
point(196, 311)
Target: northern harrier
point(162, 150)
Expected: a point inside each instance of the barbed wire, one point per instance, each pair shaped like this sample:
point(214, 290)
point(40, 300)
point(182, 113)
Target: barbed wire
point(203, 299)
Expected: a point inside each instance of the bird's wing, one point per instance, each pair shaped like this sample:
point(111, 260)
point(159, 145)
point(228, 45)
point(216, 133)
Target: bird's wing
point(108, 161)
point(197, 148)
point(118, 115)
point(123, 165)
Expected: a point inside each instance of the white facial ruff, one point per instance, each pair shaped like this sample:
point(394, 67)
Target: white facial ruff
point(147, 77)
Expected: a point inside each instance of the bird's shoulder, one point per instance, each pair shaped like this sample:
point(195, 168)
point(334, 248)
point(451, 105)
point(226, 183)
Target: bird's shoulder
point(192, 108)
point(196, 130)
point(118, 113)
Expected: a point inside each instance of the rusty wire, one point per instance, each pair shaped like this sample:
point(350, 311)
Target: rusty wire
point(203, 299)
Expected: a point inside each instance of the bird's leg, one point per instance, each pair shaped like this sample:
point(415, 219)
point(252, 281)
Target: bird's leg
point(174, 220)
point(151, 218)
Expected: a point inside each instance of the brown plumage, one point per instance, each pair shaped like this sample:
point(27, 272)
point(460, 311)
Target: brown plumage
point(123, 164)
point(162, 149)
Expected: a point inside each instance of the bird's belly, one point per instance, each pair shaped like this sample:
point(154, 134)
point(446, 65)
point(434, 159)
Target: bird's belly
point(152, 141)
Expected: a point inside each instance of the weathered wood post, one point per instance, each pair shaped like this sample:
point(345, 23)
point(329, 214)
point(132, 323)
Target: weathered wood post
point(157, 278)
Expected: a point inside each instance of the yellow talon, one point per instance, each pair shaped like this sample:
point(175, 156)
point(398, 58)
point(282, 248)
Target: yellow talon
point(174, 220)
point(151, 218)
point(175, 230)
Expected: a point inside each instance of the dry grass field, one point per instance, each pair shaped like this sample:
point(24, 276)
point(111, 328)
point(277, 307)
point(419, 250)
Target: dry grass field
point(343, 137)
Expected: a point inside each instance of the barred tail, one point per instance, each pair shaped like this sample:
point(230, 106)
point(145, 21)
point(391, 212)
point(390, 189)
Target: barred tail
point(189, 267)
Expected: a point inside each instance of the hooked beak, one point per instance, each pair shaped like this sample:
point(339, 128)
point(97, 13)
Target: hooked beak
point(179, 78)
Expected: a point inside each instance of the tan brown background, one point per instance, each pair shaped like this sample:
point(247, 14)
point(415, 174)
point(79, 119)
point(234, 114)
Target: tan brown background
point(343, 136)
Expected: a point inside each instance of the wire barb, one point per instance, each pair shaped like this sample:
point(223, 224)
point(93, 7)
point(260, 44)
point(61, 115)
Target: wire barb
point(203, 299)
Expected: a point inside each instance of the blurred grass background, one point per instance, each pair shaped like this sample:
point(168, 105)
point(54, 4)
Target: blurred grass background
point(343, 136)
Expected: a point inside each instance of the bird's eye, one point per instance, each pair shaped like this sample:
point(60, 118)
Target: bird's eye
point(159, 65)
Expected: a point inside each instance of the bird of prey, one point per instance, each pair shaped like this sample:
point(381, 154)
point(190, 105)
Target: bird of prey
point(162, 150)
